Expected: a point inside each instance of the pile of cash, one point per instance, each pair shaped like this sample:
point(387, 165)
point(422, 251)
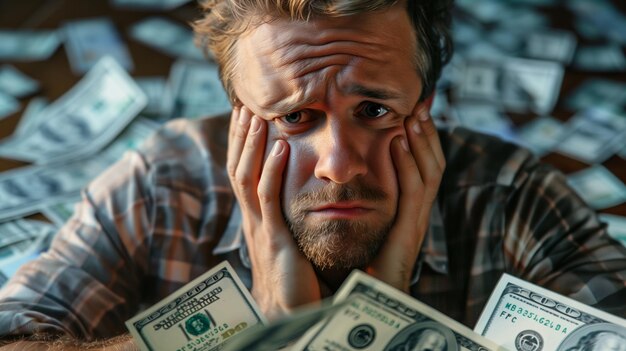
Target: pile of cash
point(215, 312)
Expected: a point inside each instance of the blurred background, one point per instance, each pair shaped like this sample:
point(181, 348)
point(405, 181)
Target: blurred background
point(82, 81)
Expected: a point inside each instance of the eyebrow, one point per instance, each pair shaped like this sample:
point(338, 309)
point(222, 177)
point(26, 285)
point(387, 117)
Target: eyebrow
point(286, 106)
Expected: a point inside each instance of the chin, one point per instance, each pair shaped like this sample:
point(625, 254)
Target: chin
point(339, 244)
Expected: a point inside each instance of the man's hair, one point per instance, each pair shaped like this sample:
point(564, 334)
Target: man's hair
point(225, 20)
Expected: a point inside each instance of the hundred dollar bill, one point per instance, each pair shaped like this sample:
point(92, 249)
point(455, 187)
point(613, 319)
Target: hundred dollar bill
point(84, 120)
point(61, 211)
point(203, 315)
point(28, 45)
point(25, 190)
point(166, 36)
point(379, 317)
point(522, 316)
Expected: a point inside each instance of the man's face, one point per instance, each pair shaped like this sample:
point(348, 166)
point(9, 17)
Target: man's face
point(337, 90)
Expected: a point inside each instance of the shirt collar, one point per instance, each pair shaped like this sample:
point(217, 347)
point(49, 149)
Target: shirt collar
point(434, 249)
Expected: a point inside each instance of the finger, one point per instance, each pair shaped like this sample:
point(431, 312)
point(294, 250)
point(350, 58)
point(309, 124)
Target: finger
point(411, 189)
point(269, 191)
point(430, 130)
point(250, 163)
point(238, 132)
point(422, 150)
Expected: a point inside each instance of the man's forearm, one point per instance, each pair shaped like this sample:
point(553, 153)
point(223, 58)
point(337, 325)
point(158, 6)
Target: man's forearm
point(119, 343)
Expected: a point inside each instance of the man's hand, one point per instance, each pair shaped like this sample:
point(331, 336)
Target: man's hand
point(282, 278)
point(419, 165)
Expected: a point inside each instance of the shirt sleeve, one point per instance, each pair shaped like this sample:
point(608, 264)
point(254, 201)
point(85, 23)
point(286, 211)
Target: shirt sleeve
point(88, 283)
point(556, 241)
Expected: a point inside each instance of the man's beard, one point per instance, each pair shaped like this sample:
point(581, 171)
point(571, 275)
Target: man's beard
point(338, 243)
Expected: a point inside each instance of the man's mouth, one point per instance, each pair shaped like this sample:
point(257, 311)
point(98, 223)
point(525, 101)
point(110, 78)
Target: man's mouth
point(341, 210)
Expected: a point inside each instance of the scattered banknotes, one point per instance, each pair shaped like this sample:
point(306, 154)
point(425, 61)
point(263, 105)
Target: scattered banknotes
point(541, 135)
point(379, 317)
point(20, 230)
point(616, 226)
point(31, 117)
point(14, 256)
point(605, 93)
point(197, 90)
point(16, 83)
point(531, 85)
point(593, 135)
point(28, 45)
point(480, 80)
point(598, 187)
point(82, 121)
point(166, 36)
point(603, 17)
point(27, 189)
point(159, 94)
point(160, 5)
point(485, 118)
point(552, 45)
point(522, 316)
point(8, 105)
point(202, 315)
point(604, 58)
point(61, 211)
point(89, 40)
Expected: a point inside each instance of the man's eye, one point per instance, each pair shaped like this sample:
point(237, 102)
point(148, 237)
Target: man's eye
point(293, 117)
point(372, 110)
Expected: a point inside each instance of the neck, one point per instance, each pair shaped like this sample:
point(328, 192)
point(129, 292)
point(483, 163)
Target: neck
point(332, 279)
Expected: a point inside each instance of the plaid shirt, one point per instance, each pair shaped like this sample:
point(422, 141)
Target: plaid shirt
point(166, 214)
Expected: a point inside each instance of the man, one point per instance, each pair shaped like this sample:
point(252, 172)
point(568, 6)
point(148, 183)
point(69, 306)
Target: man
point(332, 164)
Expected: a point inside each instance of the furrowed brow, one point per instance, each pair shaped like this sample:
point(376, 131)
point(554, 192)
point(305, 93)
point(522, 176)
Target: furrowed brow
point(380, 94)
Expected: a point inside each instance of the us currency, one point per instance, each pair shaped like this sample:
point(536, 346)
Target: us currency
point(27, 189)
point(197, 90)
point(522, 316)
point(531, 85)
point(61, 211)
point(541, 135)
point(598, 187)
point(18, 231)
point(83, 120)
point(603, 16)
point(486, 118)
point(159, 95)
point(89, 40)
point(593, 135)
point(166, 36)
point(553, 45)
point(205, 314)
point(16, 83)
point(606, 93)
point(14, 256)
point(31, 117)
point(8, 105)
point(600, 58)
point(28, 45)
point(379, 317)
point(161, 5)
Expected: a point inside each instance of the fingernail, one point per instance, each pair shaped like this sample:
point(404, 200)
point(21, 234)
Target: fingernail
point(404, 144)
point(255, 126)
point(416, 127)
point(424, 115)
point(244, 116)
point(277, 149)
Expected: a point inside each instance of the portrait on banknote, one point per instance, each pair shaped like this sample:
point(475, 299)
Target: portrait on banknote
point(424, 336)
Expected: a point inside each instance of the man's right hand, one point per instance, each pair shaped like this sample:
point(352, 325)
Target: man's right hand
point(282, 278)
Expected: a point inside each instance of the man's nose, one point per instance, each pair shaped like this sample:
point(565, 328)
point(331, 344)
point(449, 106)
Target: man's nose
point(341, 154)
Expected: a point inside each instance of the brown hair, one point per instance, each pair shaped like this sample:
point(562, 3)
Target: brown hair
point(225, 20)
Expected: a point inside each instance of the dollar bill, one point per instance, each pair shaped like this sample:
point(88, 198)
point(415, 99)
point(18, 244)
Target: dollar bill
point(82, 121)
point(28, 45)
point(16, 255)
point(31, 117)
point(89, 40)
point(605, 93)
point(593, 135)
point(522, 316)
point(8, 105)
point(602, 58)
point(61, 211)
point(598, 187)
point(205, 314)
point(159, 94)
point(616, 226)
point(483, 117)
point(531, 85)
point(553, 45)
point(167, 37)
point(27, 189)
point(18, 231)
point(605, 19)
point(161, 5)
point(541, 135)
point(379, 317)
point(16, 83)
point(197, 90)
